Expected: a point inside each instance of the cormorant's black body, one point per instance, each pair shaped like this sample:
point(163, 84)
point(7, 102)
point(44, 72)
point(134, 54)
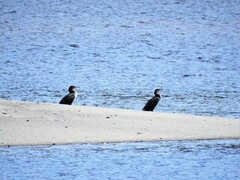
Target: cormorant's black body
point(152, 103)
point(69, 98)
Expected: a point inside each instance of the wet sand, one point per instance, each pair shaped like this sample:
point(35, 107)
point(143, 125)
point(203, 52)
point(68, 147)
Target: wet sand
point(27, 123)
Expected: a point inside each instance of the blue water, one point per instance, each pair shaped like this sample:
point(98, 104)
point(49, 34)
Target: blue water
point(218, 160)
point(118, 52)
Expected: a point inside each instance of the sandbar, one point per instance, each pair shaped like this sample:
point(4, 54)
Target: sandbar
point(29, 123)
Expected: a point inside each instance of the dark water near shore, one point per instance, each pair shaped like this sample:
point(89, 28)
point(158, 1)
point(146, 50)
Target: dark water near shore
point(218, 160)
point(118, 52)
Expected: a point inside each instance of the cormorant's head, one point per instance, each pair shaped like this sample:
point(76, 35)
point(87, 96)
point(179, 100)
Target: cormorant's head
point(72, 89)
point(157, 92)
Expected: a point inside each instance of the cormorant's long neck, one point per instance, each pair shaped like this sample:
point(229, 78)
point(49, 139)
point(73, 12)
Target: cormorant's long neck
point(157, 95)
point(74, 92)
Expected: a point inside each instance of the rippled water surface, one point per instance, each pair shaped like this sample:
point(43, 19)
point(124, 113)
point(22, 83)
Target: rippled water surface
point(118, 52)
point(161, 160)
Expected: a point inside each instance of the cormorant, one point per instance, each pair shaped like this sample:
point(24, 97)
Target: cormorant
point(69, 98)
point(151, 104)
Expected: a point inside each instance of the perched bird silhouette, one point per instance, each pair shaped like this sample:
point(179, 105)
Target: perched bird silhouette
point(69, 98)
point(151, 104)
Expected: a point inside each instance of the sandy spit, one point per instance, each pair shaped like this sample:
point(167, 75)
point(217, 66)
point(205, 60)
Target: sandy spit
point(27, 123)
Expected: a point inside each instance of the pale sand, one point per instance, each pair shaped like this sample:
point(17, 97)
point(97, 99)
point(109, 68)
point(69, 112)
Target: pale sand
point(25, 123)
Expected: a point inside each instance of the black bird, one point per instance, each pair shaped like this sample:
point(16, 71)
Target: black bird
point(69, 98)
point(151, 104)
